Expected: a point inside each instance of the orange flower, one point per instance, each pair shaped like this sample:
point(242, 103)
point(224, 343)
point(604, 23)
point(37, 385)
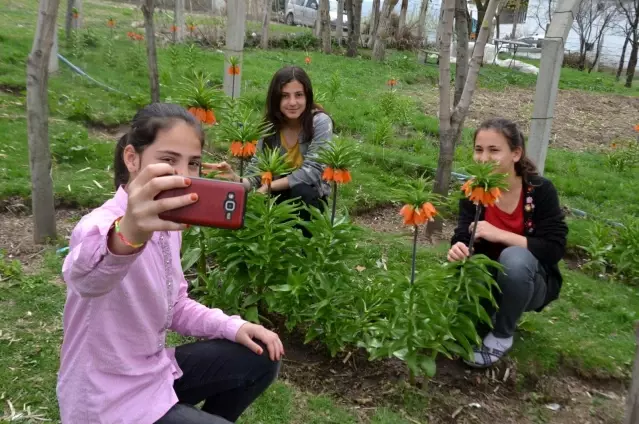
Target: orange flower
point(174, 28)
point(492, 196)
point(131, 35)
point(267, 178)
point(637, 127)
point(392, 82)
point(418, 216)
point(307, 60)
point(614, 145)
point(249, 149)
point(76, 15)
point(466, 187)
point(237, 148)
point(200, 114)
point(342, 176)
point(234, 70)
point(210, 117)
point(328, 174)
point(110, 22)
point(477, 195)
point(191, 27)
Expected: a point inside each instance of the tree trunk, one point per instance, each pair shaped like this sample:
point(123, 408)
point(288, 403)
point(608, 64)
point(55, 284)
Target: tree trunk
point(148, 8)
point(325, 26)
point(461, 62)
point(268, 6)
point(374, 23)
point(421, 26)
point(632, 411)
point(497, 25)
point(379, 48)
point(354, 10)
point(450, 121)
point(339, 28)
point(179, 21)
point(402, 21)
point(632, 62)
point(622, 59)
point(42, 200)
point(68, 20)
point(595, 63)
point(481, 13)
point(516, 14)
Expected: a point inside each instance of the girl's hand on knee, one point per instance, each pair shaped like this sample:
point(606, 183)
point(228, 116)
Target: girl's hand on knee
point(248, 332)
point(141, 218)
point(458, 252)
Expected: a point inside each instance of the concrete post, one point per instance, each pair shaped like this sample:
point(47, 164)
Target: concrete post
point(235, 32)
point(552, 55)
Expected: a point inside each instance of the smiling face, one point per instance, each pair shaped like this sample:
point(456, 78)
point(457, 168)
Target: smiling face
point(293, 101)
point(492, 146)
point(178, 145)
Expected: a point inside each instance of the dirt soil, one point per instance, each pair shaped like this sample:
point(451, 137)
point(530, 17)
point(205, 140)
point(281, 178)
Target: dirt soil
point(581, 120)
point(457, 394)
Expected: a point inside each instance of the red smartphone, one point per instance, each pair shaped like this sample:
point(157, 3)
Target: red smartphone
point(221, 204)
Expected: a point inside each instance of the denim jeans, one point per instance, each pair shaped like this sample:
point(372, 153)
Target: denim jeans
point(227, 376)
point(523, 288)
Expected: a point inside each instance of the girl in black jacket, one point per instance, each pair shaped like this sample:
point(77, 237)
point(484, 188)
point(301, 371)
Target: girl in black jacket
point(525, 232)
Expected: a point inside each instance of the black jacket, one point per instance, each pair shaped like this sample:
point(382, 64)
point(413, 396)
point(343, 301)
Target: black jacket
point(544, 227)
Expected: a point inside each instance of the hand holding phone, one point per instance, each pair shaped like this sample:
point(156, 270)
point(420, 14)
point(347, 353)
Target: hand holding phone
point(220, 204)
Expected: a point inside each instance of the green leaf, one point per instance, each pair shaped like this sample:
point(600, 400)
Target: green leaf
point(428, 364)
point(190, 257)
point(252, 315)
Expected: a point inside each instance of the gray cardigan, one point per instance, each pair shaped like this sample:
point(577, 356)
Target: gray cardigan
point(310, 172)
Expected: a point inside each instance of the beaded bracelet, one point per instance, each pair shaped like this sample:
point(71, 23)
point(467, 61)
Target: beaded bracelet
point(122, 238)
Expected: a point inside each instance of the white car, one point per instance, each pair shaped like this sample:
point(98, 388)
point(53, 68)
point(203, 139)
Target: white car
point(304, 12)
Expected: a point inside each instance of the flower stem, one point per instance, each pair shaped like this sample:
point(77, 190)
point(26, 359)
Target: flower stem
point(472, 234)
point(334, 202)
point(414, 263)
point(241, 168)
point(269, 190)
point(233, 87)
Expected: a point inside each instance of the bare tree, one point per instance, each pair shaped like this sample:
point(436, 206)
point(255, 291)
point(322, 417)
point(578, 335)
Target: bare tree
point(402, 21)
point(268, 5)
point(461, 60)
point(325, 28)
point(73, 18)
point(632, 411)
point(148, 9)
point(543, 13)
point(516, 12)
point(629, 10)
point(339, 26)
point(481, 12)
point(591, 20)
point(627, 33)
point(179, 21)
point(379, 48)
point(354, 11)
point(374, 23)
point(42, 199)
point(421, 25)
point(451, 119)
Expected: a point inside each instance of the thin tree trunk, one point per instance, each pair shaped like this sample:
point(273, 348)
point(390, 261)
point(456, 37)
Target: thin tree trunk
point(481, 13)
point(325, 26)
point(461, 62)
point(516, 15)
point(42, 199)
point(421, 26)
point(632, 62)
point(179, 21)
point(451, 120)
point(379, 48)
point(68, 19)
point(268, 5)
point(595, 63)
point(339, 29)
point(148, 8)
point(354, 10)
point(374, 23)
point(622, 59)
point(402, 21)
point(632, 411)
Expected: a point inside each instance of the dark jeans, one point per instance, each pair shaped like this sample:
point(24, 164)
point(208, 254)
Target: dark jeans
point(306, 194)
point(523, 288)
point(227, 376)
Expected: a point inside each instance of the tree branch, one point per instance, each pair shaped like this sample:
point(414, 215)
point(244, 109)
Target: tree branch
point(444, 64)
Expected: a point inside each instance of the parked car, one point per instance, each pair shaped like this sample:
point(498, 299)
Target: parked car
point(304, 12)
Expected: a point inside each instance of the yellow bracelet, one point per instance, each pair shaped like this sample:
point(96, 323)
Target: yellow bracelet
point(121, 236)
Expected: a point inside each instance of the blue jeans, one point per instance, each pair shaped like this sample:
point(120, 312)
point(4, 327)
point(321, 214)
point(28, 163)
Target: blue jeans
point(523, 288)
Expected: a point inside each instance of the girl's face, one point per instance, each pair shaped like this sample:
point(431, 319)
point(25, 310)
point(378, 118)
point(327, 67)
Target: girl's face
point(293, 101)
point(492, 146)
point(179, 146)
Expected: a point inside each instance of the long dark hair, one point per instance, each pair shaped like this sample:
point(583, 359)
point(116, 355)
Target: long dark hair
point(274, 113)
point(525, 168)
point(144, 128)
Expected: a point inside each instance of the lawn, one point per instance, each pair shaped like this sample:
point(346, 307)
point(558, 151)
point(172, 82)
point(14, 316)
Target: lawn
point(587, 333)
